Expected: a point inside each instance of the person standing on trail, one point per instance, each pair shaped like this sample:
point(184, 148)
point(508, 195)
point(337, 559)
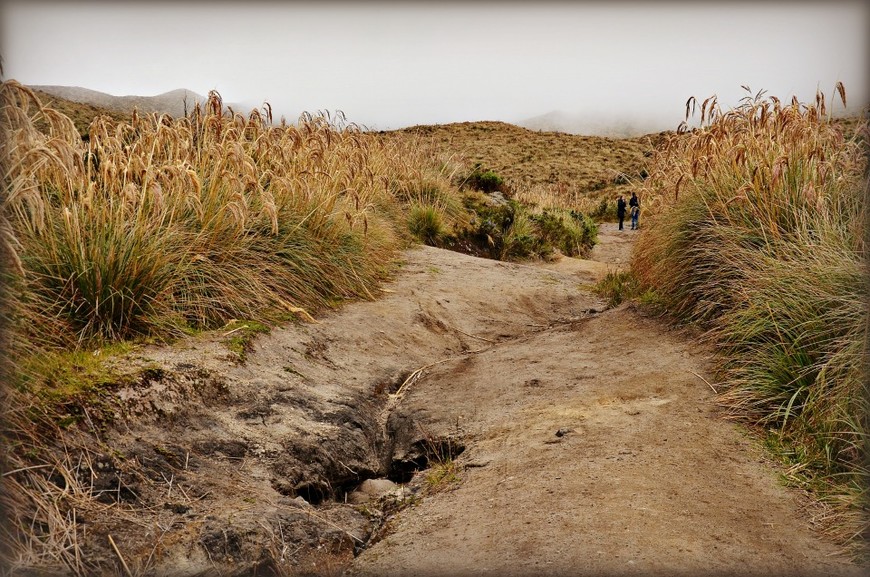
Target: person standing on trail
point(634, 205)
point(620, 210)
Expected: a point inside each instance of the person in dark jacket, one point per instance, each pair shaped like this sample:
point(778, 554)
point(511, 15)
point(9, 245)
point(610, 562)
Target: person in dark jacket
point(634, 210)
point(620, 210)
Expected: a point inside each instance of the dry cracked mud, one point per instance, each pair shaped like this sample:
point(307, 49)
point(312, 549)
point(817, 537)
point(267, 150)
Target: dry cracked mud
point(584, 441)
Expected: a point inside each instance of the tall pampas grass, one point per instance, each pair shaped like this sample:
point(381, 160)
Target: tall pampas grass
point(156, 226)
point(757, 230)
point(159, 223)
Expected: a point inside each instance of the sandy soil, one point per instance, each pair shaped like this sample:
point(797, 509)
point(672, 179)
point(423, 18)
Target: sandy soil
point(592, 443)
point(595, 447)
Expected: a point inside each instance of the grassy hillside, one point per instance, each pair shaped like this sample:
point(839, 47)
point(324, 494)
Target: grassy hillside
point(527, 157)
point(552, 168)
point(81, 114)
point(549, 168)
point(151, 228)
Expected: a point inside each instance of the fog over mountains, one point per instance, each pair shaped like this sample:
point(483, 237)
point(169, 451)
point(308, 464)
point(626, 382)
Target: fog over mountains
point(172, 102)
point(591, 123)
point(596, 124)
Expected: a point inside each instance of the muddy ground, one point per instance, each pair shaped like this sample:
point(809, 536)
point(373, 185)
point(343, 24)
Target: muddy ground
point(516, 427)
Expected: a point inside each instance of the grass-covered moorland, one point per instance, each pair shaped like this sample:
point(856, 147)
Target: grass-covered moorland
point(757, 231)
point(549, 169)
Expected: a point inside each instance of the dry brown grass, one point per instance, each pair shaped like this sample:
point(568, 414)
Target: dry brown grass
point(80, 113)
point(758, 232)
point(205, 218)
point(548, 168)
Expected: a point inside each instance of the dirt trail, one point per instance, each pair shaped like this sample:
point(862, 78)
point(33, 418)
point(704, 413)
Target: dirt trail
point(592, 444)
point(594, 447)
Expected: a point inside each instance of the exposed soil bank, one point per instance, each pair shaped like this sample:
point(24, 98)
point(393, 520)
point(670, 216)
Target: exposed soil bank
point(586, 442)
point(216, 465)
point(595, 448)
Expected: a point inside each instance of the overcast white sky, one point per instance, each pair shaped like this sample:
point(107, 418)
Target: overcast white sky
point(394, 64)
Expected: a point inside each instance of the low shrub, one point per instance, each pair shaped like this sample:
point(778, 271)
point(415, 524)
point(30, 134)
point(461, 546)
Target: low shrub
point(512, 231)
point(487, 226)
point(571, 232)
point(484, 180)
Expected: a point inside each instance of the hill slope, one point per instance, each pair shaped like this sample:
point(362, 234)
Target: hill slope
point(595, 166)
point(172, 102)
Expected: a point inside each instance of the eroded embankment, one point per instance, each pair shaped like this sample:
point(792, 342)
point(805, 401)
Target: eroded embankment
point(595, 447)
point(583, 443)
point(211, 464)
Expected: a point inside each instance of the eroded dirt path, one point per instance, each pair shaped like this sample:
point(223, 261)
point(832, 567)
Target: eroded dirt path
point(592, 444)
point(595, 447)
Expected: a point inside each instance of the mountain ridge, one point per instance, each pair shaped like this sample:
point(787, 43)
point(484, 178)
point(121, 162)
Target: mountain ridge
point(171, 102)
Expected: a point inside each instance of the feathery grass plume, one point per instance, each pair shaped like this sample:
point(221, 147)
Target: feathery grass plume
point(199, 219)
point(757, 231)
point(155, 225)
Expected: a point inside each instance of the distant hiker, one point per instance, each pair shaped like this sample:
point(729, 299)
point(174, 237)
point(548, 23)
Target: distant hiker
point(634, 203)
point(620, 210)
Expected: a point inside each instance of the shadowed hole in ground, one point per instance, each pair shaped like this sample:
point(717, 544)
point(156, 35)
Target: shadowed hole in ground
point(428, 451)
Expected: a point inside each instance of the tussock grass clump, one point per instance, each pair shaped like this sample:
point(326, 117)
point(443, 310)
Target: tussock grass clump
point(617, 286)
point(758, 233)
point(158, 223)
point(155, 227)
point(426, 223)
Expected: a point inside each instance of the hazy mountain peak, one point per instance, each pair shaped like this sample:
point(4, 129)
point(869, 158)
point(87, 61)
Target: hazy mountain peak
point(172, 102)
